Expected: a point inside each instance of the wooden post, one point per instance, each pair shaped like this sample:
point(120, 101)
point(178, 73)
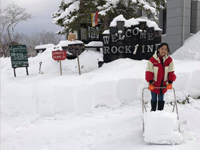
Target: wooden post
point(78, 64)
point(27, 71)
point(14, 72)
point(60, 68)
point(40, 67)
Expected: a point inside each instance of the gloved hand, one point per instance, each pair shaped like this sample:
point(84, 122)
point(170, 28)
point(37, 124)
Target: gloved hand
point(169, 86)
point(151, 87)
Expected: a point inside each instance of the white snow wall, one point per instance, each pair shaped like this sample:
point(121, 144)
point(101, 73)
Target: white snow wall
point(47, 99)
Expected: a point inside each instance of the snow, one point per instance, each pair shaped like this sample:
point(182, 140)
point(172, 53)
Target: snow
point(133, 21)
point(44, 46)
point(163, 131)
point(190, 49)
point(65, 43)
point(118, 18)
point(73, 7)
point(95, 43)
point(106, 32)
point(113, 3)
point(100, 109)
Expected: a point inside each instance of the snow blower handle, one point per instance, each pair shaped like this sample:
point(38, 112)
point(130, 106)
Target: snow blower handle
point(159, 87)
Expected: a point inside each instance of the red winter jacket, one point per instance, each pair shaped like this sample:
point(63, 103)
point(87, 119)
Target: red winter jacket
point(160, 71)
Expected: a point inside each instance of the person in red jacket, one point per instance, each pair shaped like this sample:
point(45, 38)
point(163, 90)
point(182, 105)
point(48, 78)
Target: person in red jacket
point(160, 73)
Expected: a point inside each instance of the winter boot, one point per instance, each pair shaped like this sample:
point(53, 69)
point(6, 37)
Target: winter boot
point(153, 105)
point(161, 105)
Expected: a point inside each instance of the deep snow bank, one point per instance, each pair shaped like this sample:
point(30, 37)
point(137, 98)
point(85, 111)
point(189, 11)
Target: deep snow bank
point(190, 49)
point(113, 84)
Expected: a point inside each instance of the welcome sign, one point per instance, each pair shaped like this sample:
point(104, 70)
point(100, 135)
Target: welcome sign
point(135, 42)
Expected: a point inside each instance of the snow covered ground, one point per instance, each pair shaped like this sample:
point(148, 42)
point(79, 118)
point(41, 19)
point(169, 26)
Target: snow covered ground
point(99, 110)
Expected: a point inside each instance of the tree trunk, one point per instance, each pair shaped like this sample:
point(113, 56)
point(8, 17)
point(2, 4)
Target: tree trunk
point(106, 22)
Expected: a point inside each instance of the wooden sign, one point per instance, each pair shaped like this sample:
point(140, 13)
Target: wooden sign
point(59, 55)
point(76, 49)
point(71, 37)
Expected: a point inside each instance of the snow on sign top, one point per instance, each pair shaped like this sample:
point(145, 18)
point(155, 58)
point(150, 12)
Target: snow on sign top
point(133, 21)
point(67, 42)
point(95, 43)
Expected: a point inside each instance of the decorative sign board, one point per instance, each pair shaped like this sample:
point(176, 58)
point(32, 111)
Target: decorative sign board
point(18, 54)
point(59, 55)
point(19, 58)
point(135, 42)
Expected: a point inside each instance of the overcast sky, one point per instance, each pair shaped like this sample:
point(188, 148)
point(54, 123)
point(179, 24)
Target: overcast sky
point(41, 10)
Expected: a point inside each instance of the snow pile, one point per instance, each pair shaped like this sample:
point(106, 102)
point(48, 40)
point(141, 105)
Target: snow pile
point(133, 21)
point(190, 50)
point(68, 66)
point(99, 110)
point(95, 43)
point(114, 84)
point(160, 127)
point(65, 43)
point(44, 46)
point(93, 56)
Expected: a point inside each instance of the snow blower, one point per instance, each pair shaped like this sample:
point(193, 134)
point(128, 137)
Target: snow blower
point(161, 127)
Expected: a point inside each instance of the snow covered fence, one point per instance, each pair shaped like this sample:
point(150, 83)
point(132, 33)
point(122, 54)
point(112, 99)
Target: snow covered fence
point(47, 99)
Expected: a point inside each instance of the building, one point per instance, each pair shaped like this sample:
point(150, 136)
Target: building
point(179, 21)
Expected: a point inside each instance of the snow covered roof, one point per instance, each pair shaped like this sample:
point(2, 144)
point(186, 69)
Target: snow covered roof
point(44, 46)
point(66, 43)
point(106, 32)
point(95, 43)
point(133, 21)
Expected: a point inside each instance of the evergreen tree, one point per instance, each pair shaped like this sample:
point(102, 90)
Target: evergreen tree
point(72, 13)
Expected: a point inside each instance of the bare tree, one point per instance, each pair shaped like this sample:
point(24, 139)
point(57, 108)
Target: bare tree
point(34, 39)
point(9, 18)
point(14, 15)
point(3, 24)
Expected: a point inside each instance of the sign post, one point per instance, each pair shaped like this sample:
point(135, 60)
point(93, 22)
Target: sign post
point(79, 69)
point(60, 67)
point(59, 55)
point(77, 48)
point(18, 55)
